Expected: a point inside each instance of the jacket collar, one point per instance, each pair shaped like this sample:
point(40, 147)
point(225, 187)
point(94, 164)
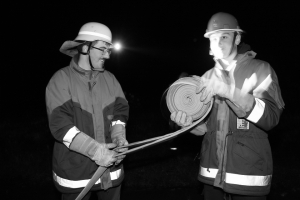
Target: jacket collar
point(89, 74)
point(238, 59)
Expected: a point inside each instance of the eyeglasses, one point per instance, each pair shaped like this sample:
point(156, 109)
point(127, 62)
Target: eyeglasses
point(103, 50)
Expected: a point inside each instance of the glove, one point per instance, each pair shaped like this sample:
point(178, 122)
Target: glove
point(181, 118)
point(99, 152)
point(118, 135)
point(239, 100)
point(210, 87)
point(200, 130)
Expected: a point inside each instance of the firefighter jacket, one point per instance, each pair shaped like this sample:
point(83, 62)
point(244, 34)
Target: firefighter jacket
point(237, 157)
point(86, 101)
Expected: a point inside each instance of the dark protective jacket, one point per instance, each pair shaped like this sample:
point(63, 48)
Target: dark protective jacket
point(240, 161)
point(89, 101)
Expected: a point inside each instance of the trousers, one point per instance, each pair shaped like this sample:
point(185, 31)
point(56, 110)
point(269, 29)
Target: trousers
point(214, 193)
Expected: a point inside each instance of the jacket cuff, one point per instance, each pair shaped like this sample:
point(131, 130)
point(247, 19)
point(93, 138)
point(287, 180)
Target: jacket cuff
point(70, 135)
point(256, 113)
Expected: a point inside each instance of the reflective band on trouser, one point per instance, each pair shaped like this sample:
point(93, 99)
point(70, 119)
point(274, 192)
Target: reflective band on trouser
point(238, 179)
point(82, 183)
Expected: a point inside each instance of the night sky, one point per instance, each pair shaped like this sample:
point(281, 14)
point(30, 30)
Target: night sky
point(160, 39)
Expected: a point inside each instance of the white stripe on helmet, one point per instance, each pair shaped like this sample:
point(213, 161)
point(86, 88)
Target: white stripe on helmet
point(94, 34)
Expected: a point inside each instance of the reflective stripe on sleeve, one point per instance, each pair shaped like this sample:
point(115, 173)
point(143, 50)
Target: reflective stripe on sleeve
point(247, 180)
point(117, 122)
point(257, 111)
point(82, 183)
point(70, 135)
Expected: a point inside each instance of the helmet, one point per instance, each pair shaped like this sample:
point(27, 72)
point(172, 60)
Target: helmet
point(90, 32)
point(222, 22)
point(94, 31)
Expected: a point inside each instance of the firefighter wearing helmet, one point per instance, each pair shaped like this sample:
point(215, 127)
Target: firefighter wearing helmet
point(235, 157)
point(87, 112)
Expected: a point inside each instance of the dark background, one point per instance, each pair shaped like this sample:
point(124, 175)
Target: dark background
point(161, 39)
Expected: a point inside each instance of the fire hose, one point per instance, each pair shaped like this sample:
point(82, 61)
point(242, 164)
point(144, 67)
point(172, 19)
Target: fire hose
point(180, 95)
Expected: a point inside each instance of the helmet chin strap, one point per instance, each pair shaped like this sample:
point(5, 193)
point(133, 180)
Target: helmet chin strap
point(233, 43)
point(90, 61)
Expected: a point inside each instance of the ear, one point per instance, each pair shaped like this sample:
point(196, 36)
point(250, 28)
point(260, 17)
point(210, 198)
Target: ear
point(237, 39)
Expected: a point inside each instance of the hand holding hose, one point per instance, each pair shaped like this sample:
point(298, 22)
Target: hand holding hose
point(181, 118)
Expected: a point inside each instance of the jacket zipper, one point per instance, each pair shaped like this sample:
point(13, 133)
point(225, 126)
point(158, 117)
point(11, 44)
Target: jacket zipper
point(229, 133)
point(91, 95)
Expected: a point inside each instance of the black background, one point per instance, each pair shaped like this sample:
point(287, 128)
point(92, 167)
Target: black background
point(160, 39)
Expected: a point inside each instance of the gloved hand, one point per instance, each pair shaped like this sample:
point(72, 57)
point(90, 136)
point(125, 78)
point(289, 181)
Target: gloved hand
point(118, 135)
point(238, 99)
point(181, 118)
point(103, 155)
point(99, 152)
point(215, 85)
point(199, 130)
point(120, 141)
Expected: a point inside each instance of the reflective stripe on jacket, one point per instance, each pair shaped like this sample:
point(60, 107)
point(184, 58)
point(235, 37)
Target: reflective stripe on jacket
point(82, 183)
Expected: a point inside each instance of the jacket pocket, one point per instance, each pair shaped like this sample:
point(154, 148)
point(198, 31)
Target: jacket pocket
point(249, 157)
point(71, 160)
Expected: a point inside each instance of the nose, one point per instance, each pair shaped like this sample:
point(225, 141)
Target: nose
point(106, 55)
point(220, 43)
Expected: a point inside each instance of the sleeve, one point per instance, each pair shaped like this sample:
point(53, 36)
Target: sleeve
point(60, 109)
point(121, 107)
point(268, 104)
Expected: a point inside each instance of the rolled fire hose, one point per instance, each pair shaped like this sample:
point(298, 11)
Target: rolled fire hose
point(180, 95)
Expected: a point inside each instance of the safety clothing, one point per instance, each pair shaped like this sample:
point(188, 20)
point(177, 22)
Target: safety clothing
point(87, 146)
point(217, 84)
point(222, 22)
point(199, 130)
point(93, 31)
point(235, 153)
point(181, 118)
point(89, 32)
point(86, 101)
point(118, 135)
point(212, 86)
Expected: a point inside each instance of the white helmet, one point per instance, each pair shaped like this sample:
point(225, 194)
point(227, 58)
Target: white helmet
point(90, 32)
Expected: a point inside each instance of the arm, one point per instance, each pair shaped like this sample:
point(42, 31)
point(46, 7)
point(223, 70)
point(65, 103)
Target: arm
point(118, 128)
point(257, 98)
point(267, 103)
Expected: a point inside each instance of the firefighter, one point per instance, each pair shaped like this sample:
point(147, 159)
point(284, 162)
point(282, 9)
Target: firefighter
point(235, 157)
point(87, 112)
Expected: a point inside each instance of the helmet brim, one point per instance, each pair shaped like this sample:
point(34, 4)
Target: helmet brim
point(220, 30)
point(69, 47)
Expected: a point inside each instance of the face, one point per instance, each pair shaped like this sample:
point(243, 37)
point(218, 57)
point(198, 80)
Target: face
point(98, 54)
point(221, 44)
